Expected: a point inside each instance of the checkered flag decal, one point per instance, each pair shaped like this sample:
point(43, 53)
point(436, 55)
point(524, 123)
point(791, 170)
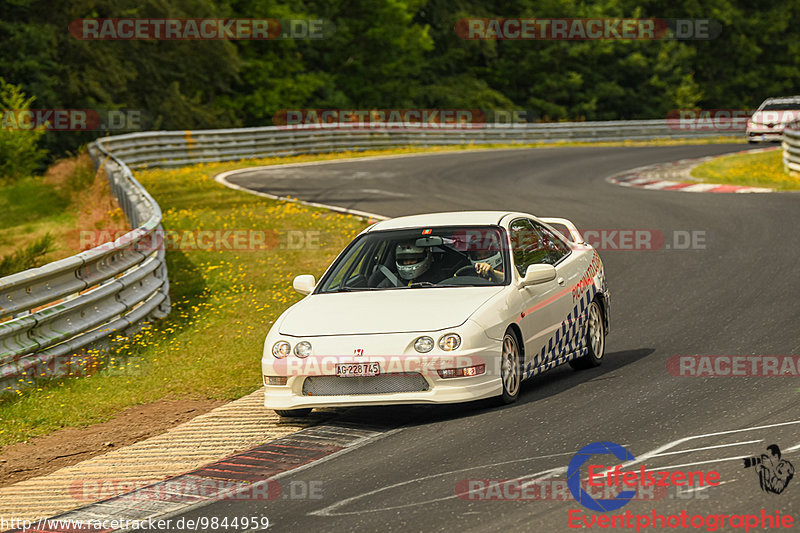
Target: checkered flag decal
point(568, 342)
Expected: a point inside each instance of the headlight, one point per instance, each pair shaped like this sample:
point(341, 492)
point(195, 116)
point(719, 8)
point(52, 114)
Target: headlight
point(302, 349)
point(449, 342)
point(281, 349)
point(423, 344)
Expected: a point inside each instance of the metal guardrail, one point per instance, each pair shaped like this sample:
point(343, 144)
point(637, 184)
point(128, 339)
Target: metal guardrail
point(65, 306)
point(80, 301)
point(791, 148)
point(176, 148)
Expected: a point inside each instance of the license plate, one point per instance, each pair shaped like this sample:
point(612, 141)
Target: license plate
point(351, 370)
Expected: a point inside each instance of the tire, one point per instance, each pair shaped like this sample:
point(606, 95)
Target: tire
point(293, 413)
point(510, 368)
point(595, 339)
point(751, 142)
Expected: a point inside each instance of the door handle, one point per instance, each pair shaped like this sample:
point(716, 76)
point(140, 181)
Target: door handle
point(561, 281)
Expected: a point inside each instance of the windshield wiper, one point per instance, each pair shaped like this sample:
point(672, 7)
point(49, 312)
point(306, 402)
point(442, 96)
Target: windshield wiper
point(423, 284)
point(355, 289)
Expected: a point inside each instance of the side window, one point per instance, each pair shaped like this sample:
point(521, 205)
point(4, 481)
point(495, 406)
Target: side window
point(354, 271)
point(527, 245)
point(556, 248)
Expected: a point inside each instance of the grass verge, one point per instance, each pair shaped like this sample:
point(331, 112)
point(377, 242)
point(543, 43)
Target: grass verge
point(761, 169)
point(224, 300)
point(41, 216)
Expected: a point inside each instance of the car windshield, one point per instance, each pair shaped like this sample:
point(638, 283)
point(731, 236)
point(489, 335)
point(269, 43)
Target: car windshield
point(420, 258)
point(786, 106)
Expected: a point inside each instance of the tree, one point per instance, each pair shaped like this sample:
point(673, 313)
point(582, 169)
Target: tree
point(19, 135)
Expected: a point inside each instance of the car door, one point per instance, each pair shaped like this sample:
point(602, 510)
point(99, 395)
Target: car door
point(570, 267)
point(543, 307)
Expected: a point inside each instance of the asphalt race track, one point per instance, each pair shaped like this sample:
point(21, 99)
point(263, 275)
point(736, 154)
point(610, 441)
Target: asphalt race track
point(737, 296)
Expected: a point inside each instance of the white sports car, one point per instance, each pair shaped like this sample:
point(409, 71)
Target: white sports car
point(439, 308)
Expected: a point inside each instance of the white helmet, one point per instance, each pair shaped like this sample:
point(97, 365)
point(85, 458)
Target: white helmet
point(421, 256)
point(486, 256)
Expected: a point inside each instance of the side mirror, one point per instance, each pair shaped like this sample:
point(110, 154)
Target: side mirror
point(537, 274)
point(304, 284)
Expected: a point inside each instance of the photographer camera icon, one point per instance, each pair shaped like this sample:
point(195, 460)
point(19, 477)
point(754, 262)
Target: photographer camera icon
point(774, 473)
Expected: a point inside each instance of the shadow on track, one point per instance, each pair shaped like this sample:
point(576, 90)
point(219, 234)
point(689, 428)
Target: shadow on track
point(551, 383)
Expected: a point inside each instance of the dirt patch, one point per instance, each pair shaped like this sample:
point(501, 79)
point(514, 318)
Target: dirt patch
point(65, 447)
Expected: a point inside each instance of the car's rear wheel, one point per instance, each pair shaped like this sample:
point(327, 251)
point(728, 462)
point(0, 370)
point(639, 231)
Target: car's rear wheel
point(595, 339)
point(510, 368)
point(288, 413)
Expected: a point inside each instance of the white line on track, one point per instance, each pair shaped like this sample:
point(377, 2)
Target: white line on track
point(331, 510)
point(710, 447)
point(545, 474)
point(710, 461)
point(223, 179)
point(705, 487)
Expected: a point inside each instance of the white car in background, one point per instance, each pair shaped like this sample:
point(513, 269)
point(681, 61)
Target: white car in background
point(771, 117)
point(439, 308)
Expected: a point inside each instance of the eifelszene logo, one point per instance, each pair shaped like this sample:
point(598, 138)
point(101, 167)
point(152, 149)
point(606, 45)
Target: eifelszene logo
point(774, 473)
point(618, 477)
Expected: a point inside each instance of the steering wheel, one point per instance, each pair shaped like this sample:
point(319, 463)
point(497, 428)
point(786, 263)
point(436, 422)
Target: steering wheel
point(463, 271)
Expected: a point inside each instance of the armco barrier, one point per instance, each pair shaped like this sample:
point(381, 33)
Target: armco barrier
point(176, 148)
point(791, 149)
point(54, 311)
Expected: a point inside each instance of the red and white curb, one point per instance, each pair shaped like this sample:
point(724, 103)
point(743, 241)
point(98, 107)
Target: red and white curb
point(251, 475)
point(655, 177)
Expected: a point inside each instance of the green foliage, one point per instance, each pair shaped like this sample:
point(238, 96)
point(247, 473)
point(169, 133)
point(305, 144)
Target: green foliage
point(396, 54)
point(29, 256)
point(19, 147)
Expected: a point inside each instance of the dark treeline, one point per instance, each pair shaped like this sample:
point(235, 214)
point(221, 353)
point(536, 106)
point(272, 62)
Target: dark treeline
point(395, 54)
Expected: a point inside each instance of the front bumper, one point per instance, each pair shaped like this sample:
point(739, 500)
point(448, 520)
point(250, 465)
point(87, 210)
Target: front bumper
point(764, 134)
point(440, 390)
point(405, 376)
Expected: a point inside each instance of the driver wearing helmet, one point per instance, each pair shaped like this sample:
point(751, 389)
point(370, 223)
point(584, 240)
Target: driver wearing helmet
point(488, 264)
point(413, 265)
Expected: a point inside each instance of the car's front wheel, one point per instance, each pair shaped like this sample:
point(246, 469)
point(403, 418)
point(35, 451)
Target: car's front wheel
point(595, 339)
point(288, 413)
point(510, 368)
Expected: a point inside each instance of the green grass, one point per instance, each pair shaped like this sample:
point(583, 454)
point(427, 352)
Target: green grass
point(29, 210)
point(762, 169)
point(224, 302)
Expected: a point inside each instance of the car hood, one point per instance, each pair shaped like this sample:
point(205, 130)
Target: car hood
point(385, 311)
point(774, 117)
